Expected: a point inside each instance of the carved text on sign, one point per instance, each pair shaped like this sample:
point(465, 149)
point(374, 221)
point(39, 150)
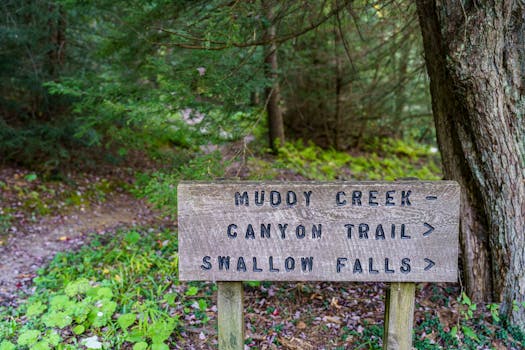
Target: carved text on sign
point(362, 231)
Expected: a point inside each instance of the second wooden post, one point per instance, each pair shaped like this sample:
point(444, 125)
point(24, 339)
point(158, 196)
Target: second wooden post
point(399, 316)
point(231, 315)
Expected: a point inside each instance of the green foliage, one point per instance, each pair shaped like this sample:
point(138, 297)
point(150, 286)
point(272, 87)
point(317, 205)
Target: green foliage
point(31, 34)
point(126, 320)
point(155, 76)
point(469, 306)
point(35, 129)
point(494, 312)
point(43, 145)
point(36, 340)
point(132, 93)
point(394, 160)
point(28, 337)
point(161, 187)
point(5, 220)
point(7, 345)
point(111, 292)
point(370, 338)
point(469, 331)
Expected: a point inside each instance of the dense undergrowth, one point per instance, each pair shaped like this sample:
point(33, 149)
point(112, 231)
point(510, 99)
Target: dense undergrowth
point(118, 290)
point(122, 292)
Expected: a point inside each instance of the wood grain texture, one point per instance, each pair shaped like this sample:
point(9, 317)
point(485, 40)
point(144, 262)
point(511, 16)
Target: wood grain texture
point(399, 316)
point(231, 316)
point(311, 231)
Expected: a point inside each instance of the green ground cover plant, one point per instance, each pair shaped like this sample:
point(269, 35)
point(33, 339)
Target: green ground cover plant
point(116, 291)
point(383, 159)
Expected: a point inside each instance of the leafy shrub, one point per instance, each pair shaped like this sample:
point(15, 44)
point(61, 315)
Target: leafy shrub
point(43, 145)
point(160, 187)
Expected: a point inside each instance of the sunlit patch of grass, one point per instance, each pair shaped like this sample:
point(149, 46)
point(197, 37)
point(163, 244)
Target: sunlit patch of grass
point(388, 160)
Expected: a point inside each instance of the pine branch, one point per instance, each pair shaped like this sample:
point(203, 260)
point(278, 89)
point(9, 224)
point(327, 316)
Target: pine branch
point(220, 45)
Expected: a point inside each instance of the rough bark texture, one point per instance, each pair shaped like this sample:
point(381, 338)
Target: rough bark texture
point(273, 92)
point(475, 54)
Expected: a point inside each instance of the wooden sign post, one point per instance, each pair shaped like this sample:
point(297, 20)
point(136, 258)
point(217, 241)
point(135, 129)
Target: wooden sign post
point(397, 232)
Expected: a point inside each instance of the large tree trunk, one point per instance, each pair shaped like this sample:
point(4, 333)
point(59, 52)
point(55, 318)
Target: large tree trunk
point(475, 55)
point(273, 92)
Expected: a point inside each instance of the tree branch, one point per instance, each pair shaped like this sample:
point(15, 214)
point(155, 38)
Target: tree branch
point(218, 45)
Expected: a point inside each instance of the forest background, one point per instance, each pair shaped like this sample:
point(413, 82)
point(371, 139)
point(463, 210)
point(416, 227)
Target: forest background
point(199, 90)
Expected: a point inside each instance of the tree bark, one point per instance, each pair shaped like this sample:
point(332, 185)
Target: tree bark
point(57, 28)
point(338, 118)
point(273, 92)
point(475, 55)
point(400, 99)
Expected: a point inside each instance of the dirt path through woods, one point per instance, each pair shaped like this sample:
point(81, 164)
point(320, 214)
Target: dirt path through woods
point(33, 244)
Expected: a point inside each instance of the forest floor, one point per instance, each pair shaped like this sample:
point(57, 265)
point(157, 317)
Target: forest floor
point(42, 218)
point(50, 217)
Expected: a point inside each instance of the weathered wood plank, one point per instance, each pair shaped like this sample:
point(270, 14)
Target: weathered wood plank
point(300, 231)
point(399, 316)
point(231, 316)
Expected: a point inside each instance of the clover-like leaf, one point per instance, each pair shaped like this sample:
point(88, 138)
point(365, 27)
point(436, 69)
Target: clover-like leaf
point(126, 320)
point(57, 319)
point(35, 309)
point(7, 345)
point(28, 337)
point(140, 346)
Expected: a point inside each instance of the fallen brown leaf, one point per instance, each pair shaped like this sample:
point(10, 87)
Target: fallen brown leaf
point(335, 303)
point(295, 344)
point(332, 319)
point(301, 325)
point(316, 296)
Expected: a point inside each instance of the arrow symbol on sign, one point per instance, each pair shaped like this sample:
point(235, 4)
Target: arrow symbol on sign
point(430, 264)
point(430, 229)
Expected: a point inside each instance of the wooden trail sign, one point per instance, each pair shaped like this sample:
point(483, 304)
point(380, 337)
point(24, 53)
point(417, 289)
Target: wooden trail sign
point(398, 232)
point(404, 231)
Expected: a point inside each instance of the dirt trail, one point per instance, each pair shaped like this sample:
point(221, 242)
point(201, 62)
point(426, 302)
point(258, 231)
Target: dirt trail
point(33, 245)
